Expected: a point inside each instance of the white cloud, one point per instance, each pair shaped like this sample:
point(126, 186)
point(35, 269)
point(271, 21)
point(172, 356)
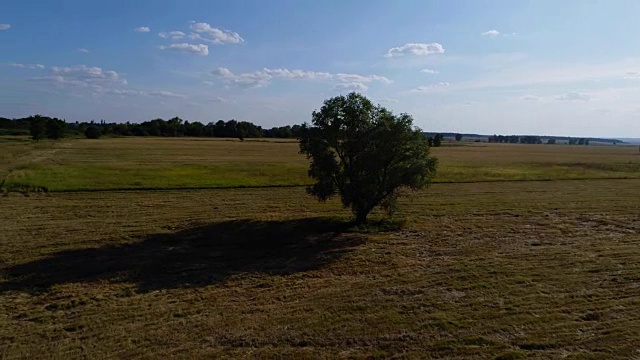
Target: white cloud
point(632, 75)
point(206, 32)
point(173, 35)
point(83, 77)
point(429, 71)
point(429, 88)
point(83, 50)
point(220, 99)
point(26, 66)
point(160, 93)
point(142, 29)
point(297, 74)
point(527, 74)
point(573, 96)
point(530, 98)
point(387, 100)
point(491, 33)
point(199, 49)
point(253, 80)
point(264, 77)
point(163, 93)
point(348, 87)
point(350, 78)
point(4, 26)
point(415, 49)
point(89, 74)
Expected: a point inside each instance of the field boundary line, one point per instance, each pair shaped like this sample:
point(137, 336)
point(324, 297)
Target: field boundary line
point(304, 185)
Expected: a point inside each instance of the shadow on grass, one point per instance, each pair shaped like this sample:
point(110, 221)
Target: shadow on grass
point(194, 257)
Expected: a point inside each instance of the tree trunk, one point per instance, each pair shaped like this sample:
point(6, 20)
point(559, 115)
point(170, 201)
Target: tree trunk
point(361, 217)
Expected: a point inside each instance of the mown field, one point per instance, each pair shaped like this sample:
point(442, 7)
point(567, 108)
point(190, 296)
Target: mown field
point(497, 270)
point(175, 163)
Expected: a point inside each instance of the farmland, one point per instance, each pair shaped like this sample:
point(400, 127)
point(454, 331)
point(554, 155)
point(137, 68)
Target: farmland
point(483, 268)
point(175, 163)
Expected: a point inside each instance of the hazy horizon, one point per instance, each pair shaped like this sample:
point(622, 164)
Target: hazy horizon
point(485, 67)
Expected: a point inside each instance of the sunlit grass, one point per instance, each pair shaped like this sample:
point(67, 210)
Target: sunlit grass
point(174, 163)
point(479, 270)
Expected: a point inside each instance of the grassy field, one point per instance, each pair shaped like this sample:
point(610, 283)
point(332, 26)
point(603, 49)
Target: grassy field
point(492, 270)
point(488, 270)
point(177, 163)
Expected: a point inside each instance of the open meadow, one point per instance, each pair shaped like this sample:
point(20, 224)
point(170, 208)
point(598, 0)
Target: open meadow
point(174, 163)
point(230, 261)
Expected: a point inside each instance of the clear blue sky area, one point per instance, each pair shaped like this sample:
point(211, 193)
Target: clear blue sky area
point(511, 67)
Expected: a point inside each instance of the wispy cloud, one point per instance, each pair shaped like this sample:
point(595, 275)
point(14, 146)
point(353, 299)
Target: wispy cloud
point(88, 74)
point(491, 33)
point(415, 49)
point(157, 93)
point(5, 26)
point(573, 96)
point(198, 49)
point(26, 66)
point(348, 87)
point(142, 29)
point(173, 35)
point(632, 75)
point(429, 71)
point(361, 78)
point(526, 74)
point(206, 32)
point(530, 98)
point(220, 99)
point(388, 100)
point(94, 79)
point(429, 88)
point(264, 77)
point(82, 50)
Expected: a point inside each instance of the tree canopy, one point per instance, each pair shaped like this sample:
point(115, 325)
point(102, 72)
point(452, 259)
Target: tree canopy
point(364, 153)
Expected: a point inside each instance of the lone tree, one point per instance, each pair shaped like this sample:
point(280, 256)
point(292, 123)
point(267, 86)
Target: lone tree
point(458, 137)
point(365, 154)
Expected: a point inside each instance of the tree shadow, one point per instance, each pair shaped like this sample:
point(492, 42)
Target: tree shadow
point(194, 257)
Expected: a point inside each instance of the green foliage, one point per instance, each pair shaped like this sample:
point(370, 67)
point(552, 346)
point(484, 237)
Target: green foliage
point(437, 140)
point(365, 154)
point(37, 127)
point(55, 129)
point(92, 132)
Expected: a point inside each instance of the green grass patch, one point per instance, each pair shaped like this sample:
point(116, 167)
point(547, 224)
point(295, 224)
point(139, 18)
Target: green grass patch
point(109, 177)
point(178, 163)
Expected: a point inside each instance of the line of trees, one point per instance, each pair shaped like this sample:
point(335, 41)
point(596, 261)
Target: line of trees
point(40, 127)
point(435, 141)
point(531, 139)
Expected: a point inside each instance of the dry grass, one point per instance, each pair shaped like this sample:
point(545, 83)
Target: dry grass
point(175, 163)
point(493, 270)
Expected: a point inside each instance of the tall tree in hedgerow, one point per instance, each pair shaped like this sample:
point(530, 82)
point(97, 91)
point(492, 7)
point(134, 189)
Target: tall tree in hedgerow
point(364, 153)
point(37, 127)
point(55, 129)
point(92, 132)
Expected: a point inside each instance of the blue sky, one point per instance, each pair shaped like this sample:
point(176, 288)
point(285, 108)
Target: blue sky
point(511, 67)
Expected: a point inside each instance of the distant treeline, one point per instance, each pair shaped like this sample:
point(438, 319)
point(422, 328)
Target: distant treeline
point(526, 139)
point(158, 127)
point(40, 127)
point(530, 139)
